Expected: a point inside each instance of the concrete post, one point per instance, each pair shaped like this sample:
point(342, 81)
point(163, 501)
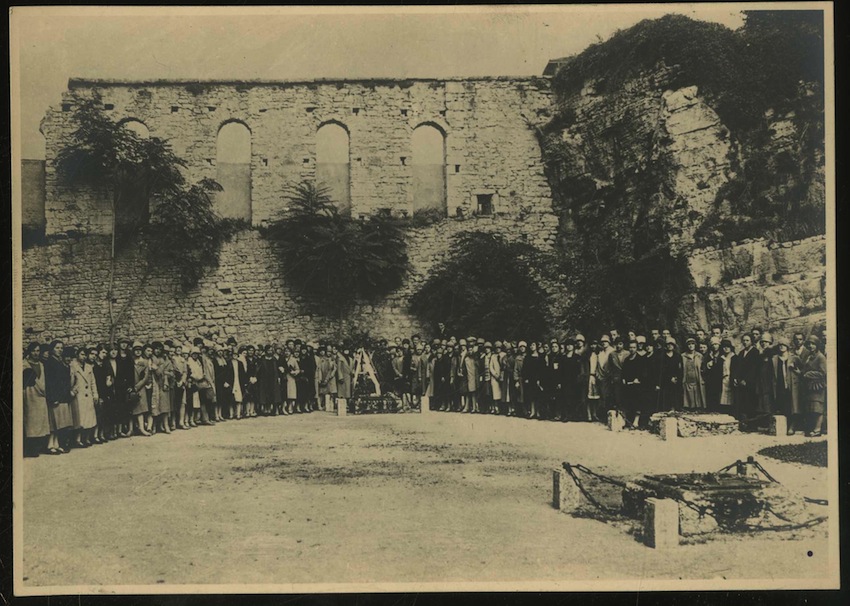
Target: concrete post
point(425, 405)
point(342, 407)
point(616, 422)
point(566, 496)
point(778, 425)
point(661, 523)
point(669, 428)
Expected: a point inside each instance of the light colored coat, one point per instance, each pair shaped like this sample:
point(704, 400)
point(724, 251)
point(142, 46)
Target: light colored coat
point(84, 395)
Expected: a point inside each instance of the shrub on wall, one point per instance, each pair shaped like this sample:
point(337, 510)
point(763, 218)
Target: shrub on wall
point(485, 287)
point(333, 259)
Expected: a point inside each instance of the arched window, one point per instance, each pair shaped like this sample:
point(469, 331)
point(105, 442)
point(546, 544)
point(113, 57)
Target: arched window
point(429, 168)
point(332, 164)
point(138, 127)
point(233, 162)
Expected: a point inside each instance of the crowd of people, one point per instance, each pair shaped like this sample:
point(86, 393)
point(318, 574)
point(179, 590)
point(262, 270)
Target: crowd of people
point(75, 397)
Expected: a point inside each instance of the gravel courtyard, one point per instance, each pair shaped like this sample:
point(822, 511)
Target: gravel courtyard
point(384, 498)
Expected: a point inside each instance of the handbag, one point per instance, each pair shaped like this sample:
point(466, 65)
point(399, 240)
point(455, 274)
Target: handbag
point(133, 397)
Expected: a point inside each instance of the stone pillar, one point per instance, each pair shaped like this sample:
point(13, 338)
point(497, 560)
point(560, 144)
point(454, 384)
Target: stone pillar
point(669, 428)
point(778, 425)
point(566, 496)
point(425, 405)
point(342, 407)
point(661, 523)
point(616, 422)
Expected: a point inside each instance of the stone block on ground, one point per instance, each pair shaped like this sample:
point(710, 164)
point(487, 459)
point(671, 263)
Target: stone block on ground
point(616, 422)
point(661, 523)
point(778, 425)
point(566, 496)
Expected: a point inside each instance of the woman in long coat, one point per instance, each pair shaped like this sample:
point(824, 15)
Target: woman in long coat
point(814, 376)
point(36, 417)
point(293, 371)
point(57, 390)
point(344, 373)
point(83, 396)
point(142, 387)
point(693, 386)
point(468, 369)
point(786, 385)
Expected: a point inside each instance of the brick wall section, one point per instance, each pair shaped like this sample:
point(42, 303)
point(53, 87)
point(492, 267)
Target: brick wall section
point(489, 146)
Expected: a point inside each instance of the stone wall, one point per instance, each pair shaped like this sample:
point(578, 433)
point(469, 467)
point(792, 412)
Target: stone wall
point(65, 285)
point(780, 286)
point(489, 147)
point(32, 193)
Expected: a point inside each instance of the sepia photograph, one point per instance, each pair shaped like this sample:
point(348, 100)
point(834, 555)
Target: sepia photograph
point(424, 299)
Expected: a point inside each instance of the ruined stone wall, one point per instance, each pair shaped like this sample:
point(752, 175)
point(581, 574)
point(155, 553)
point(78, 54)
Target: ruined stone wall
point(780, 286)
point(65, 287)
point(490, 148)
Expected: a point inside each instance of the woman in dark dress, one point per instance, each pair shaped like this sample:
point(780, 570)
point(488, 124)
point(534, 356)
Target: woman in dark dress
point(104, 378)
point(670, 383)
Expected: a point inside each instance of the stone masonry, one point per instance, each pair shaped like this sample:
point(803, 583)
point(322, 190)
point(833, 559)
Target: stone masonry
point(489, 147)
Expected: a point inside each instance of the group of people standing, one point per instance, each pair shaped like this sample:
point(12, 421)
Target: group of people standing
point(77, 397)
point(573, 380)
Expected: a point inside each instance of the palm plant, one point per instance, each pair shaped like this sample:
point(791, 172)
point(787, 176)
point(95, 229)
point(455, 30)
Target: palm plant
point(334, 259)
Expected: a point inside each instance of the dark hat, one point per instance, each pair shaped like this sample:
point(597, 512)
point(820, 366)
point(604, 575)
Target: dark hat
point(125, 340)
point(198, 341)
point(31, 347)
point(169, 343)
point(156, 344)
point(726, 343)
point(813, 339)
point(231, 341)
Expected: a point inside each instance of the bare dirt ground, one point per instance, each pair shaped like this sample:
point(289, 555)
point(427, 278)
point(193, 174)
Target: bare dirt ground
point(379, 498)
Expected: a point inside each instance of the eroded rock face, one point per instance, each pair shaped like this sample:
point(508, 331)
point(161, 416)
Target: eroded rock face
point(699, 149)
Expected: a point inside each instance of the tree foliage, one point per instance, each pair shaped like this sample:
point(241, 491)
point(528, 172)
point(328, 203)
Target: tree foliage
point(104, 154)
point(485, 287)
point(334, 259)
point(182, 234)
point(185, 234)
point(743, 72)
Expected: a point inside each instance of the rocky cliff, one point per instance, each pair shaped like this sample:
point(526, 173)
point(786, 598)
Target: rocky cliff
point(660, 156)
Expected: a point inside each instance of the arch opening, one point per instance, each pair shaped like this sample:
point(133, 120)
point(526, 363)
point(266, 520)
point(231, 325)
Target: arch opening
point(428, 144)
point(233, 171)
point(333, 168)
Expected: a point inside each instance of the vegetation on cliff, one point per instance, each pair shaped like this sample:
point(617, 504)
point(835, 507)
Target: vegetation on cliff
point(614, 178)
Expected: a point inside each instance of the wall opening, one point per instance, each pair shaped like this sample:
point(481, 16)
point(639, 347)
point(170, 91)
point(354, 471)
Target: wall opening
point(429, 169)
point(485, 204)
point(233, 171)
point(332, 164)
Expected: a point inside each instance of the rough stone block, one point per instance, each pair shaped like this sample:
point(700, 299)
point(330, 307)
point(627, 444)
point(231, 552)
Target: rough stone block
point(778, 425)
point(425, 405)
point(566, 496)
point(342, 407)
point(661, 523)
point(669, 428)
point(616, 422)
